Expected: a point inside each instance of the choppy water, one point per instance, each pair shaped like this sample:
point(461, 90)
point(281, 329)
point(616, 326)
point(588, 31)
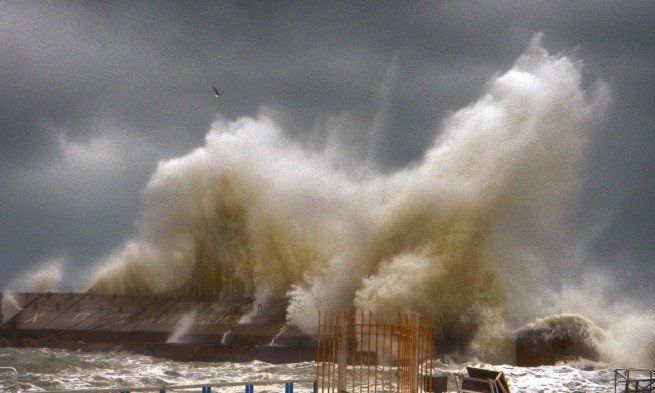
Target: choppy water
point(49, 369)
point(579, 378)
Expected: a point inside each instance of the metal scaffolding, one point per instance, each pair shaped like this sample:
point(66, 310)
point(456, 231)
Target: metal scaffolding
point(634, 380)
point(357, 353)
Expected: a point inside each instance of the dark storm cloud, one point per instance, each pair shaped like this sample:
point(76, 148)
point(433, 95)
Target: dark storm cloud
point(93, 94)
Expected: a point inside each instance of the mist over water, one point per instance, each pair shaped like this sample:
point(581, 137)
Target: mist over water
point(474, 232)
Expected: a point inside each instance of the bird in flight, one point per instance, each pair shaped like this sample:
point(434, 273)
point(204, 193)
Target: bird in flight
point(216, 93)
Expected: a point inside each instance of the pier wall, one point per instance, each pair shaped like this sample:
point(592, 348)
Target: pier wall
point(141, 324)
point(147, 324)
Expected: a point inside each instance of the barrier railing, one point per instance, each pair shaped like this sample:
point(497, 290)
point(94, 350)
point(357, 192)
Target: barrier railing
point(205, 387)
point(634, 380)
point(14, 373)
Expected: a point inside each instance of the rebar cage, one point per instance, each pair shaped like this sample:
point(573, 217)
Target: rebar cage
point(358, 352)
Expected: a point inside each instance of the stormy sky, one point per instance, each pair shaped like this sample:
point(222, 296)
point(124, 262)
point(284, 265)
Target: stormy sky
point(94, 94)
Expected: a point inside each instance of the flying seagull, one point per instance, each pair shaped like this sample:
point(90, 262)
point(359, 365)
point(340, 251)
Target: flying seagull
point(216, 93)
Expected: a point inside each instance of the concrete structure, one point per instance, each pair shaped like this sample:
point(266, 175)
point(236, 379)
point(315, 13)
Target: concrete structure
point(178, 328)
point(144, 325)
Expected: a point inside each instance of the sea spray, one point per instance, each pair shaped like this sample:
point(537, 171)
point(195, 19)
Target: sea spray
point(9, 306)
point(182, 328)
point(46, 277)
point(282, 330)
point(469, 233)
point(225, 337)
point(630, 341)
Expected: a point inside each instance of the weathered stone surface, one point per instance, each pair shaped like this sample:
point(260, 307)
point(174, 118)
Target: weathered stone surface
point(545, 346)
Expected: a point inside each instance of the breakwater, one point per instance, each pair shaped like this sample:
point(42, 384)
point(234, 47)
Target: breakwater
point(227, 329)
point(179, 328)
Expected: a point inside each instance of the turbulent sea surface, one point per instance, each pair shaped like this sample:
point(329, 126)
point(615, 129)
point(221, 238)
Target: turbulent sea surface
point(49, 369)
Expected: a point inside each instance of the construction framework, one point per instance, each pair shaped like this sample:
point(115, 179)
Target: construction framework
point(634, 380)
point(358, 353)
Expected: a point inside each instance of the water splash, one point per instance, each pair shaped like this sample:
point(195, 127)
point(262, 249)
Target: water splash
point(282, 330)
point(46, 277)
point(182, 328)
point(9, 306)
point(473, 232)
point(224, 338)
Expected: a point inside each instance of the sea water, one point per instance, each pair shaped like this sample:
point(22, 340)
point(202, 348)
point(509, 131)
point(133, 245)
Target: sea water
point(50, 369)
